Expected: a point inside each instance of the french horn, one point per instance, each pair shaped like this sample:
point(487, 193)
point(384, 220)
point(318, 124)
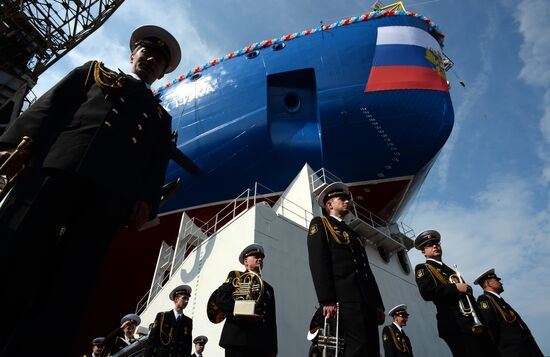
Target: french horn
point(249, 291)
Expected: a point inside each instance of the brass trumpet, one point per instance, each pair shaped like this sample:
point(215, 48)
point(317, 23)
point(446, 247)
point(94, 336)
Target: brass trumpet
point(6, 183)
point(326, 340)
point(465, 305)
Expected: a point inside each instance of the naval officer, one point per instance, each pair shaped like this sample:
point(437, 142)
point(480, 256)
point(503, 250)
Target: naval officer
point(170, 335)
point(512, 336)
point(200, 342)
point(97, 161)
point(396, 342)
point(98, 347)
point(453, 325)
point(123, 336)
point(341, 274)
point(247, 336)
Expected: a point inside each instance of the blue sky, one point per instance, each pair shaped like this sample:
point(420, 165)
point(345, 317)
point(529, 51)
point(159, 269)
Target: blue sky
point(488, 193)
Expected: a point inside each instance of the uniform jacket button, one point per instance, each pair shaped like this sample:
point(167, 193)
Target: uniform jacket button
point(145, 115)
point(134, 140)
point(114, 110)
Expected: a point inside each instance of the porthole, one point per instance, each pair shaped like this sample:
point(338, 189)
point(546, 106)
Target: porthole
point(404, 261)
point(252, 54)
point(278, 46)
point(384, 254)
point(196, 76)
point(292, 103)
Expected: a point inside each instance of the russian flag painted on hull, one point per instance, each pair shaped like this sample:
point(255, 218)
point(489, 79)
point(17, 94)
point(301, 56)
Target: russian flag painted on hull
point(406, 57)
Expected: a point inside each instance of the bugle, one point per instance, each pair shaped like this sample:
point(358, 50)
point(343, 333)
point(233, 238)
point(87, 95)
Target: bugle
point(7, 182)
point(465, 305)
point(324, 334)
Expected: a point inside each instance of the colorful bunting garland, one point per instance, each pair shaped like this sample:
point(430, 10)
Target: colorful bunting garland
point(262, 44)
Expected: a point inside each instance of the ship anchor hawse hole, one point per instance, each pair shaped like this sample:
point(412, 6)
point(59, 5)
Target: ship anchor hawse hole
point(292, 103)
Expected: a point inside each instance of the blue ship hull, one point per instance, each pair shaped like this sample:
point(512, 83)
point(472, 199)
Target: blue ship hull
point(259, 119)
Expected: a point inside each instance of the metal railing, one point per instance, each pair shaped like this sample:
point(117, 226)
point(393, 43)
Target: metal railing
point(196, 232)
point(323, 177)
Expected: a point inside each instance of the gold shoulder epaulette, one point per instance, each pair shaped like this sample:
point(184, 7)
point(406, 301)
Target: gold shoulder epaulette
point(104, 77)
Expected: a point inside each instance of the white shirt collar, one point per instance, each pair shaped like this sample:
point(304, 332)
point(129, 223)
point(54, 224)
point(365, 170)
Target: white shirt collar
point(433, 260)
point(176, 314)
point(497, 295)
point(139, 79)
point(399, 327)
point(338, 218)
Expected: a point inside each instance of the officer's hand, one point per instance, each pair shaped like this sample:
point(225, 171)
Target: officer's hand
point(464, 289)
point(329, 310)
point(15, 164)
point(380, 316)
point(124, 324)
point(139, 215)
point(4, 156)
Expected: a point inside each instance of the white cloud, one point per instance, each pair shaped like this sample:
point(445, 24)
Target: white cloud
point(534, 19)
point(502, 230)
point(474, 93)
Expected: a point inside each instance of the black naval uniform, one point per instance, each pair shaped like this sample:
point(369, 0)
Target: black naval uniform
point(170, 338)
point(115, 341)
point(341, 273)
point(511, 334)
point(396, 342)
point(242, 336)
point(101, 143)
point(454, 328)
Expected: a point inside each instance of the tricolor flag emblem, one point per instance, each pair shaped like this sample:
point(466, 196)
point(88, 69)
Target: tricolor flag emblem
point(406, 58)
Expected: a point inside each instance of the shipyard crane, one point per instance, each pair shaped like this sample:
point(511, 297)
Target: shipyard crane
point(34, 34)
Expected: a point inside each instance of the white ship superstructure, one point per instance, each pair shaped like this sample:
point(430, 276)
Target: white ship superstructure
point(206, 252)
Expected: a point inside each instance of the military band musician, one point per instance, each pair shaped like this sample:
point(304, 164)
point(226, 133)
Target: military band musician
point(200, 342)
point(341, 273)
point(396, 343)
point(170, 335)
point(247, 336)
point(100, 147)
point(434, 283)
point(511, 334)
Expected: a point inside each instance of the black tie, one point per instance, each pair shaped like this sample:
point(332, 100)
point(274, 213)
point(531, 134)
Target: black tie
point(178, 318)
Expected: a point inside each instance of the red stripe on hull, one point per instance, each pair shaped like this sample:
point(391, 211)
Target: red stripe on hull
point(405, 77)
